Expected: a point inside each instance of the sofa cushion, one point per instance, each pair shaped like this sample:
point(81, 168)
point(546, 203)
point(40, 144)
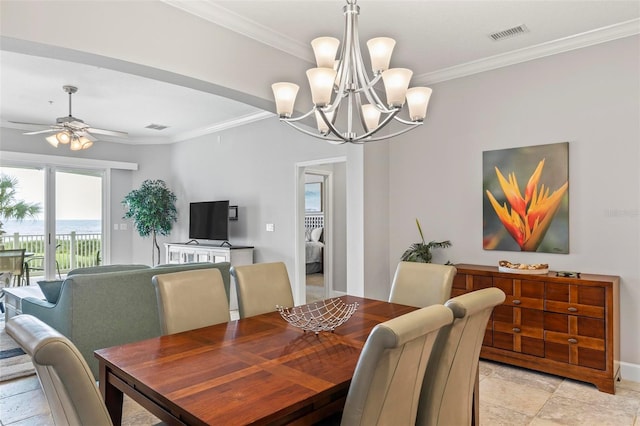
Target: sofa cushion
point(51, 290)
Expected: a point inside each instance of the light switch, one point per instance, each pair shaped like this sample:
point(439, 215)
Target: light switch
point(123, 226)
point(271, 227)
point(115, 226)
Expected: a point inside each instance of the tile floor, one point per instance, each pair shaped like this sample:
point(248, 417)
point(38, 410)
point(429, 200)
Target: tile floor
point(508, 396)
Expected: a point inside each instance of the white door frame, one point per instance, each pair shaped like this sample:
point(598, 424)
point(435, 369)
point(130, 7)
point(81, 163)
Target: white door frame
point(299, 287)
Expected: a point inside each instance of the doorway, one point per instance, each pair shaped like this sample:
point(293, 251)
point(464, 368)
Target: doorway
point(320, 230)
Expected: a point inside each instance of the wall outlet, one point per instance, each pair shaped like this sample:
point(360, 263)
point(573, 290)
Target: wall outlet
point(270, 227)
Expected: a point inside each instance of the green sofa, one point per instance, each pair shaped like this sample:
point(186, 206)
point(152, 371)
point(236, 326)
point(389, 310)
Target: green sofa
point(113, 305)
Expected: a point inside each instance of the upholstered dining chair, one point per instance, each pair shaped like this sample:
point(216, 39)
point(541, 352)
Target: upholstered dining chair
point(422, 284)
point(450, 378)
point(388, 377)
point(66, 380)
point(261, 287)
point(191, 299)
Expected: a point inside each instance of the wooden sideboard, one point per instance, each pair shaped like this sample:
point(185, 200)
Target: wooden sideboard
point(557, 325)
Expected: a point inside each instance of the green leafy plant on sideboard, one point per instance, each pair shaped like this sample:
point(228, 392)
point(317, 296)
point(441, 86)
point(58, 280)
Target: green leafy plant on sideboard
point(421, 251)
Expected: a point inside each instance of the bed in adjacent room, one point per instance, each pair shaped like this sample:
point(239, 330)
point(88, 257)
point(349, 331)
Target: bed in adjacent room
point(314, 243)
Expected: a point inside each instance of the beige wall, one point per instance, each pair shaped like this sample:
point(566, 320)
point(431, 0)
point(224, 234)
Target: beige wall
point(588, 97)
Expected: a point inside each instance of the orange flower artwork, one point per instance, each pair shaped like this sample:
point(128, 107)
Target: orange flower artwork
point(527, 216)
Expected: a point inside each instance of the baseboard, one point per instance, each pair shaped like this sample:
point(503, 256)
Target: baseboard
point(630, 371)
point(335, 293)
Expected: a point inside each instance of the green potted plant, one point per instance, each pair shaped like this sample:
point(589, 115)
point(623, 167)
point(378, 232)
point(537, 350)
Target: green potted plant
point(421, 252)
point(153, 210)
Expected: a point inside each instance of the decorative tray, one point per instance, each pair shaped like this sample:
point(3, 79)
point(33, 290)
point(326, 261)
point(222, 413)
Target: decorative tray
point(523, 271)
point(326, 315)
point(523, 268)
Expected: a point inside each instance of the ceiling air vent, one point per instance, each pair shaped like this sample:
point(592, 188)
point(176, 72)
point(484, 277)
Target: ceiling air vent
point(156, 126)
point(509, 33)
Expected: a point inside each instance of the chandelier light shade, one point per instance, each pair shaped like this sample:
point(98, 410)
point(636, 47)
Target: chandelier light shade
point(344, 88)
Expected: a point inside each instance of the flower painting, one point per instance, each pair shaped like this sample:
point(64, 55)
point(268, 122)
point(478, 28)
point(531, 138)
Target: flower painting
point(526, 199)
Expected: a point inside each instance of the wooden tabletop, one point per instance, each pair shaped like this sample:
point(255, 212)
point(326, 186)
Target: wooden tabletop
point(257, 370)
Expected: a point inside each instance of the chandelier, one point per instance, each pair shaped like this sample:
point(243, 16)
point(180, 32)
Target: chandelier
point(354, 90)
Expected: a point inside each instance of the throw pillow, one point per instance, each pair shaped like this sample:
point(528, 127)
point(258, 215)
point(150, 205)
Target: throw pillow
point(316, 234)
point(307, 234)
point(51, 290)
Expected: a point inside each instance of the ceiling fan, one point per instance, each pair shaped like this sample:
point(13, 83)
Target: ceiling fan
point(71, 130)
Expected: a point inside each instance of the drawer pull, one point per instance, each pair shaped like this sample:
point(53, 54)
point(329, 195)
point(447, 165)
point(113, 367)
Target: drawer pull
point(516, 302)
point(572, 309)
point(516, 330)
point(572, 340)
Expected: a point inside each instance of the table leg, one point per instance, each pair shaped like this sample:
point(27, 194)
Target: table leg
point(112, 396)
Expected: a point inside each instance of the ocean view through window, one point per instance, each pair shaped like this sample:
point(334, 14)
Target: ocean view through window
point(63, 226)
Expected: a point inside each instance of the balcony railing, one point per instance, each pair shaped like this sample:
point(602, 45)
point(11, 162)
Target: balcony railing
point(73, 250)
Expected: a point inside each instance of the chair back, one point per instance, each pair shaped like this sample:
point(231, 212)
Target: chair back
point(388, 377)
point(447, 391)
point(191, 299)
point(66, 379)
point(261, 287)
point(422, 284)
point(12, 261)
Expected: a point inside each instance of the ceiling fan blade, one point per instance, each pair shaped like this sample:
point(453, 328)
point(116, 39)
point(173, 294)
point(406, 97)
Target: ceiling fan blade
point(107, 132)
point(41, 131)
point(88, 136)
point(30, 124)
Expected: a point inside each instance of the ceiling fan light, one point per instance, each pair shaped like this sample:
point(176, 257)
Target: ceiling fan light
point(418, 100)
point(380, 50)
point(63, 137)
point(325, 49)
point(396, 83)
point(85, 142)
point(53, 140)
point(75, 144)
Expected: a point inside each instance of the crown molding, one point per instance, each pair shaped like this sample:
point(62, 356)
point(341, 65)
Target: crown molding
point(577, 41)
point(223, 17)
point(240, 121)
point(212, 12)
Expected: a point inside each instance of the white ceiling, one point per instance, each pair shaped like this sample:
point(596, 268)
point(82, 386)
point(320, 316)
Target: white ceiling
point(438, 40)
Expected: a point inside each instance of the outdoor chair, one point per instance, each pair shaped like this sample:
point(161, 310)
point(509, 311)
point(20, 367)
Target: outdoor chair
point(36, 263)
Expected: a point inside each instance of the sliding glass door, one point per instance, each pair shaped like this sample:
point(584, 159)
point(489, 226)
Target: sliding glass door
point(78, 218)
point(67, 230)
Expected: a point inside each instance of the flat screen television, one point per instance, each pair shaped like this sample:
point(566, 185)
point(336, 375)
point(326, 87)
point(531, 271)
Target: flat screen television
point(209, 220)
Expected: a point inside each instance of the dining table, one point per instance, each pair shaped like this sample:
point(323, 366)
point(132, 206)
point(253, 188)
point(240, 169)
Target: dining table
point(254, 371)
